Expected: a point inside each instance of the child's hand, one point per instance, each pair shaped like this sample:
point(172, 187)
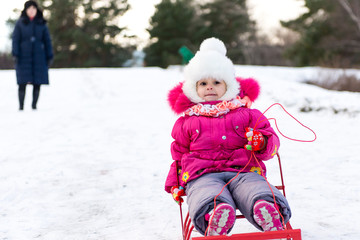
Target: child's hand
point(177, 192)
point(256, 140)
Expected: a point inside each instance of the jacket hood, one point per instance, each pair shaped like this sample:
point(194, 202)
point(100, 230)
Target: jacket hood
point(39, 17)
point(180, 103)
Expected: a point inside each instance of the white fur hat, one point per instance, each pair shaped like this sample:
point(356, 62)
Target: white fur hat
point(210, 61)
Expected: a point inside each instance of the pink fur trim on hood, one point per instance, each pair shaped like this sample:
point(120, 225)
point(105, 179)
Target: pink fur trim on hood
point(179, 102)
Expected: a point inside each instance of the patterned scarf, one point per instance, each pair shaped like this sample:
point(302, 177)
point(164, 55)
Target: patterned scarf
point(215, 110)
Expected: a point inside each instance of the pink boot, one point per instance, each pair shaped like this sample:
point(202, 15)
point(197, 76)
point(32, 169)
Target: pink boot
point(266, 215)
point(221, 220)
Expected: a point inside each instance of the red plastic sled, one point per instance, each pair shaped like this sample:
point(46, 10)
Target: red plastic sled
point(288, 233)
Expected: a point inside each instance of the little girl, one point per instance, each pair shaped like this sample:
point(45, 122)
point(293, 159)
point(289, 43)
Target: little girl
point(218, 137)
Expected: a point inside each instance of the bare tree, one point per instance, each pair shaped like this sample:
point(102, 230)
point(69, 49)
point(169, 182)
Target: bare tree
point(353, 11)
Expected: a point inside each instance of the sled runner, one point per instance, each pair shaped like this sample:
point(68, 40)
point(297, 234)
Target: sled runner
point(288, 233)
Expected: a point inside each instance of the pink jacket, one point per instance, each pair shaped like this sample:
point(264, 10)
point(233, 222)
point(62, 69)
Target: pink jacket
point(216, 144)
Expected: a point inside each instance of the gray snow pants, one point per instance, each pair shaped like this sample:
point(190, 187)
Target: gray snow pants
point(242, 193)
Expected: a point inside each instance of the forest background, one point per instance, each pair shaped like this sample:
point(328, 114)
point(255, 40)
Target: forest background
point(85, 33)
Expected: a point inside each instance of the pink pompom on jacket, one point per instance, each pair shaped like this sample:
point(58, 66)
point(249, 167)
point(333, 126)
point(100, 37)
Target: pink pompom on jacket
point(205, 144)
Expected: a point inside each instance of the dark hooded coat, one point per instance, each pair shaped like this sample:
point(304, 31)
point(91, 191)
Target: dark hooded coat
point(32, 49)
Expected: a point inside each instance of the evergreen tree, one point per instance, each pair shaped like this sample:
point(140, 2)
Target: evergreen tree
point(84, 32)
point(328, 36)
point(184, 22)
point(170, 26)
point(229, 21)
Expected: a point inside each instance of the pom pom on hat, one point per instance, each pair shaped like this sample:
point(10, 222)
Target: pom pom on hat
point(210, 61)
point(213, 44)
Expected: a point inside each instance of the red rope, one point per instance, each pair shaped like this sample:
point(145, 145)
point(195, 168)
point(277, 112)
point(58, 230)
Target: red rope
point(272, 192)
point(207, 229)
point(293, 139)
point(257, 161)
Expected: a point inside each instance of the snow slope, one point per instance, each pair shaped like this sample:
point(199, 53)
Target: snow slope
point(91, 162)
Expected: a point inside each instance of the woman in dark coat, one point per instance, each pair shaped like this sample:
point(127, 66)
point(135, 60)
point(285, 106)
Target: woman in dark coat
point(32, 50)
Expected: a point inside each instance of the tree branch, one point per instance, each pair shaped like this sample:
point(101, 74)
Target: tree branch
point(346, 5)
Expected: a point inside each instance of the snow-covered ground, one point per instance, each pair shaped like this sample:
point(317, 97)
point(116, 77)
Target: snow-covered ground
point(91, 162)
